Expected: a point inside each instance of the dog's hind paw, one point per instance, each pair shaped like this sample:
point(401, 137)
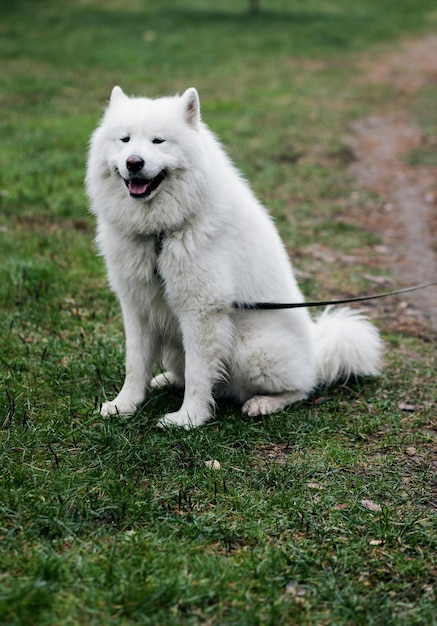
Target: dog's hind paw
point(258, 405)
point(264, 405)
point(166, 379)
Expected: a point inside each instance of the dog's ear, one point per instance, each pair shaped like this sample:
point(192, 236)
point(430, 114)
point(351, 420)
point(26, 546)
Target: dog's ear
point(117, 95)
point(190, 100)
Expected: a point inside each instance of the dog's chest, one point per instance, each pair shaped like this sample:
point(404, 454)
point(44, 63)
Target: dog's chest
point(132, 263)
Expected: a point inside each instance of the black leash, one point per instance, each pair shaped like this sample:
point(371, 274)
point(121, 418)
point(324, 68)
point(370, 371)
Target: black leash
point(297, 305)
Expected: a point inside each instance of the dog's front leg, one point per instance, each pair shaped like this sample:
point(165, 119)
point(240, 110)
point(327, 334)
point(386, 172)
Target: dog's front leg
point(207, 340)
point(141, 349)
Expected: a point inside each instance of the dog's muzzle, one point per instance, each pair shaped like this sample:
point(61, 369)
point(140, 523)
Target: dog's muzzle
point(139, 186)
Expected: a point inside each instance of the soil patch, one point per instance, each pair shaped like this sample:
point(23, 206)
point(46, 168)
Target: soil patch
point(406, 215)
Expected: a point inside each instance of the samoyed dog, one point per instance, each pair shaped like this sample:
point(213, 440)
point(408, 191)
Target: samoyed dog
point(184, 238)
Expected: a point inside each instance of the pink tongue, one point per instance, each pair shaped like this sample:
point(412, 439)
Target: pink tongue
point(137, 188)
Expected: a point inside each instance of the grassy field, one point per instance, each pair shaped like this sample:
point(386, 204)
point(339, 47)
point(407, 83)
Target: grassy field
point(322, 514)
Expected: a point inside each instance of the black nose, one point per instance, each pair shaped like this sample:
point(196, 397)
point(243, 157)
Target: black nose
point(134, 163)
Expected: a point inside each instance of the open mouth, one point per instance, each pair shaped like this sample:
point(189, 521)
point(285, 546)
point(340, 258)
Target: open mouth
point(143, 187)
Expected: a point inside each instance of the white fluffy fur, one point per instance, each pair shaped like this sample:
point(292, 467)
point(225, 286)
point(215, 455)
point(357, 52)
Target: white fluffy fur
point(219, 245)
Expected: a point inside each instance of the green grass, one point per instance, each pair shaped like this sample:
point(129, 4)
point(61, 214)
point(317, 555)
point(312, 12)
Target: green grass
point(114, 521)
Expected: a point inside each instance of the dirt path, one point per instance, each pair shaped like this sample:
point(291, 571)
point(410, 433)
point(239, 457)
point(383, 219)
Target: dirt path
point(406, 218)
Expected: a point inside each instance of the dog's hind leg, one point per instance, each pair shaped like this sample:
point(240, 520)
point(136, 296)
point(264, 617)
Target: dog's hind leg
point(266, 404)
point(273, 363)
point(166, 379)
point(173, 363)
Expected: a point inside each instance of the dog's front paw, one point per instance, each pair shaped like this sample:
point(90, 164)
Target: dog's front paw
point(183, 419)
point(118, 407)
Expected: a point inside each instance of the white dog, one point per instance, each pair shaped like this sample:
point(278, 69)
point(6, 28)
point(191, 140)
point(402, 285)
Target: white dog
point(184, 238)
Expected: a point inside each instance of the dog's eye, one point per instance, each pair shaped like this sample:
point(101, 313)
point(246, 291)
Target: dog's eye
point(125, 139)
point(158, 140)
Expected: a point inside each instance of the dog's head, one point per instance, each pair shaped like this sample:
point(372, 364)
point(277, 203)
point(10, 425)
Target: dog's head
point(148, 141)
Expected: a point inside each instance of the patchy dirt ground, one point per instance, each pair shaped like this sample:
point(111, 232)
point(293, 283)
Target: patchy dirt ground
point(406, 216)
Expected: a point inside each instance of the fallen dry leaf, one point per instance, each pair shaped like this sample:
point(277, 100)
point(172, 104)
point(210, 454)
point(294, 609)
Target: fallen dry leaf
point(370, 505)
point(294, 589)
point(213, 464)
point(429, 589)
point(377, 542)
point(340, 507)
point(378, 280)
point(410, 408)
point(411, 451)
point(321, 400)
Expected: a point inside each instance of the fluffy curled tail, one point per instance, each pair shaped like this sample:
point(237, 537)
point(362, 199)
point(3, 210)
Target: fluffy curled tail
point(347, 344)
